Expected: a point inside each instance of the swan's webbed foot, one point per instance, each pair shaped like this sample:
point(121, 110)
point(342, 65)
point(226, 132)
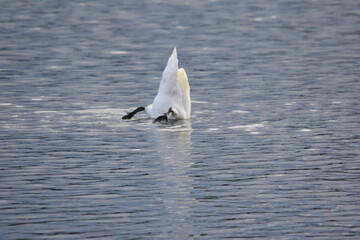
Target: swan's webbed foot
point(164, 118)
point(130, 115)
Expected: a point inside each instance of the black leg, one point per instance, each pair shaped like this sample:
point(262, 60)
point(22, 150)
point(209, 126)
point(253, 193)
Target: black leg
point(170, 111)
point(130, 115)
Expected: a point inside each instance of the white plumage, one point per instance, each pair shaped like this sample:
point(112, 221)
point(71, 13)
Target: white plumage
point(173, 98)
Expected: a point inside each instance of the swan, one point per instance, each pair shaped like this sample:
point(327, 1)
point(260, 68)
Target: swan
point(173, 98)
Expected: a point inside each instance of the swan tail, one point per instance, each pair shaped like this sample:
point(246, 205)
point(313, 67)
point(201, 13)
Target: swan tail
point(169, 74)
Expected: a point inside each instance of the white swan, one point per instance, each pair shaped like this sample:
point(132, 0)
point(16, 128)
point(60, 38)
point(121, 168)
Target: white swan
point(173, 98)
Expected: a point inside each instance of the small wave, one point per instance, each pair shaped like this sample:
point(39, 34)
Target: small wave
point(249, 126)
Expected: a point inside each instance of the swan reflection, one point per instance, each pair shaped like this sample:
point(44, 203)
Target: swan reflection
point(173, 144)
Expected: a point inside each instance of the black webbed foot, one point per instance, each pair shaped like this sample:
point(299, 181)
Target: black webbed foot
point(127, 116)
point(130, 115)
point(162, 118)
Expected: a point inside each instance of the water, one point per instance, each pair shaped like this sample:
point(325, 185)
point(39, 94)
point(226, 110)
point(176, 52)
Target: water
point(271, 151)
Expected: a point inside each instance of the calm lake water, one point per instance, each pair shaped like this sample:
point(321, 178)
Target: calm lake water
point(271, 150)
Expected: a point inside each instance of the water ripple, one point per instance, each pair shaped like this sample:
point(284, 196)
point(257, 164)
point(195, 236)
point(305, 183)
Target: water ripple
point(271, 151)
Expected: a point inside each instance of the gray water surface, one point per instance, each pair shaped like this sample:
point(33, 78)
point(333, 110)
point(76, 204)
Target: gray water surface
point(271, 150)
